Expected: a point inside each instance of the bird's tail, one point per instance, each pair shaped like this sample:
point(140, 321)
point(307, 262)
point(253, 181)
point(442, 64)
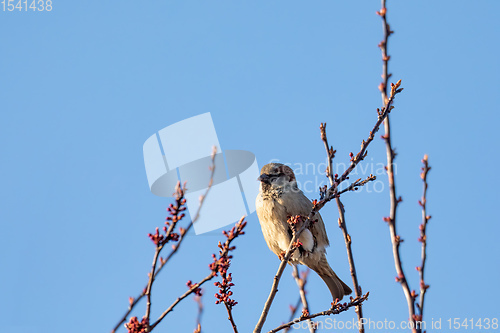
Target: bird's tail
point(337, 287)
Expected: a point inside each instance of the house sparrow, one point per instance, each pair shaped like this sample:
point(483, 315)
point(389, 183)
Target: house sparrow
point(279, 198)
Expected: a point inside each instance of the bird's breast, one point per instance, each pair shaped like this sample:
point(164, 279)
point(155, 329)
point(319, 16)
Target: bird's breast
point(273, 221)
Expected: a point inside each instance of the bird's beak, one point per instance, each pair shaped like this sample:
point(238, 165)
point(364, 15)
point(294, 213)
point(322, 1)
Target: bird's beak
point(264, 178)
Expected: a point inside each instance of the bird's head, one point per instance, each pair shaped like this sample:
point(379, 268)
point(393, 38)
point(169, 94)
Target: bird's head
point(277, 176)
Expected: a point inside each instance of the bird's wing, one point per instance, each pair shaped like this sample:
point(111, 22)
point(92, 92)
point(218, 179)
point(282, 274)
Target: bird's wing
point(303, 206)
point(319, 230)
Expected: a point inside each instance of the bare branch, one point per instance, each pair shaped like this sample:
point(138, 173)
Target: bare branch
point(274, 288)
point(330, 153)
point(216, 266)
point(342, 224)
point(350, 257)
point(351, 187)
point(151, 280)
point(293, 311)
point(133, 301)
point(394, 200)
point(382, 115)
point(230, 317)
point(168, 236)
point(198, 301)
point(191, 290)
point(335, 309)
point(161, 240)
point(301, 283)
point(224, 294)
point(423, 236)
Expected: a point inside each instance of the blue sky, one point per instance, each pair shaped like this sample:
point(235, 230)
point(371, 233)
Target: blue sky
point(83, 86)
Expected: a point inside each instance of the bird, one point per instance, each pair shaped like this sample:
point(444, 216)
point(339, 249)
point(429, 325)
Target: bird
point(279, 199)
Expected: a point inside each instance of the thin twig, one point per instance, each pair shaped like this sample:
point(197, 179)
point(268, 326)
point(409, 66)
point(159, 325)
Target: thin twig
point(382, 115)
point(224, 295)
point(134, 301)
point(198, 301)
point(229, 309)
point(336, 309)
point(347, 239)
point(281, 268)
point(354, 186)
point(293, 311)
point(301, 283)
point(191, 290)
point(151, 280)
point(175, 247)
point(423, 236)
point(342, 224)
point(317, 205)
point(223, 257)
point(394, 200)
point(330, 153)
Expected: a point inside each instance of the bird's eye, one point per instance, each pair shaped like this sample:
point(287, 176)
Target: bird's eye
point(275, 177)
